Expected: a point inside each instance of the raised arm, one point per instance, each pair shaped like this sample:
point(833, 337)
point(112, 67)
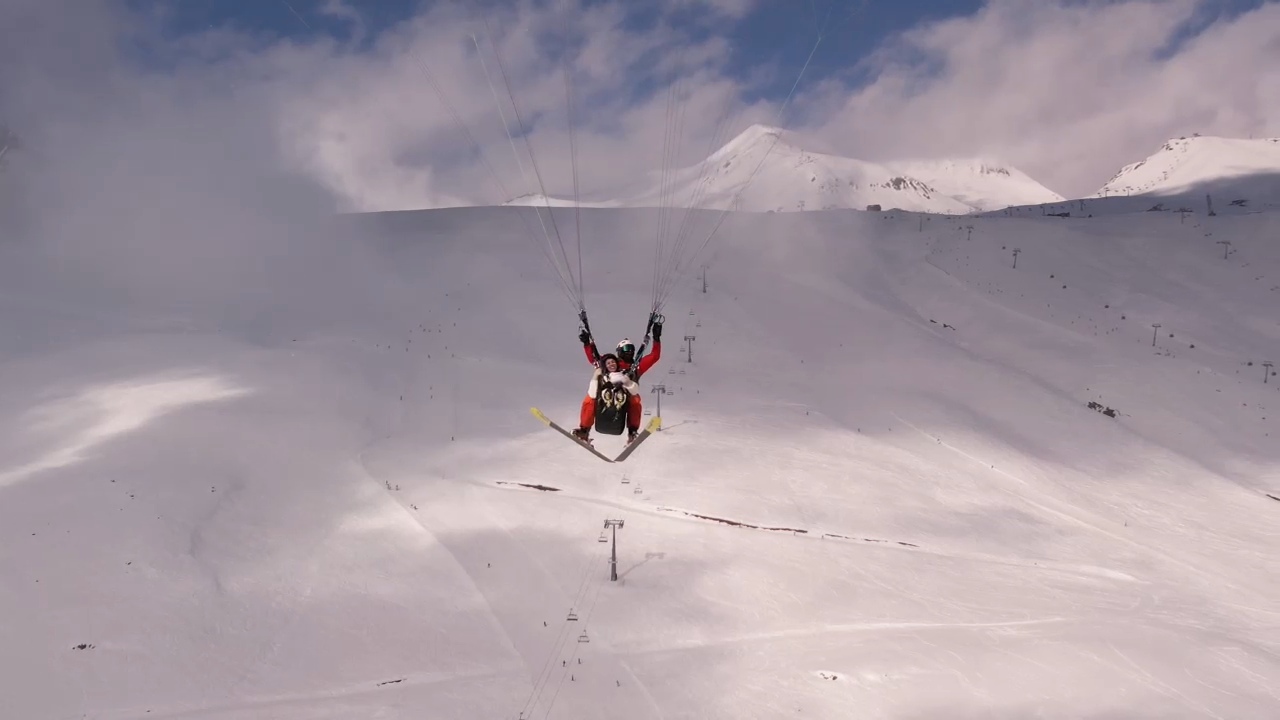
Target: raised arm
point(650, 359)
point(589, 347)
point(654, 355)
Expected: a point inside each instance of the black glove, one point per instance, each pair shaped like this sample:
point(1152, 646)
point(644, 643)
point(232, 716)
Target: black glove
point(584, 337)
point(657, 332)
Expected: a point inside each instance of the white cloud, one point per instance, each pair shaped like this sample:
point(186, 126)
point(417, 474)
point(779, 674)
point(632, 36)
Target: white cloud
point(376, 128)
point(164, 192)
point(1066, 91)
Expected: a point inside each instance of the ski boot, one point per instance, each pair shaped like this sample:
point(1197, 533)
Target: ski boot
point(631, 435)
point(583, 435)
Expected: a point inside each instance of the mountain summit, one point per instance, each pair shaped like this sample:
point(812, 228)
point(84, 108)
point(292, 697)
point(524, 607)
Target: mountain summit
point(766, 169)
point(1249, 168)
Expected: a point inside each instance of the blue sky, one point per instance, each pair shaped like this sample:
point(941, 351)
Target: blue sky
point(774, 30)
point(776, 34)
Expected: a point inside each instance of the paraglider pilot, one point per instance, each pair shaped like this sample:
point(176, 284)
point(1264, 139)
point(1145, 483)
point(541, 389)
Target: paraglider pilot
point(613, 395)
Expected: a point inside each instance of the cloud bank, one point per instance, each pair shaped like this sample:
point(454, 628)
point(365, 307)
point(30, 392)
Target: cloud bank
point(413, 115)
point(1067, 91)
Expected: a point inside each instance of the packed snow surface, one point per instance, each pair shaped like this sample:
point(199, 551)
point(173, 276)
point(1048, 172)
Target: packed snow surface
point(898, 477)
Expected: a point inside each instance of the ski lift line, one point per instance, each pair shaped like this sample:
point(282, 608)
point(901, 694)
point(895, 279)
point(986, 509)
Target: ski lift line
point(590, 569)
point(589, 572)
point(584, 620)
point(576, 647)
point(566, 272)
point(544, 674)
point(532, 704)
point(670, 281)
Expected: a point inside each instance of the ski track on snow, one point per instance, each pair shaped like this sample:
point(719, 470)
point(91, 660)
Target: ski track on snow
point(1094, 525)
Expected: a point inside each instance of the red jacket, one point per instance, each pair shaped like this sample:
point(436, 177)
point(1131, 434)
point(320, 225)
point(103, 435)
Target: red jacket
point(646, 362)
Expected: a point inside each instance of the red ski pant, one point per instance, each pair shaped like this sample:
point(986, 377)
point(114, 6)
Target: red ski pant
point(587, 417)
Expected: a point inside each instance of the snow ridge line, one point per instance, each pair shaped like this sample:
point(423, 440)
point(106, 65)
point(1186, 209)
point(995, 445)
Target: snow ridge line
point(793, 531)
point(1041, 564)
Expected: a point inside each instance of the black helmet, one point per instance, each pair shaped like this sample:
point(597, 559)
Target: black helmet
point(626, 351)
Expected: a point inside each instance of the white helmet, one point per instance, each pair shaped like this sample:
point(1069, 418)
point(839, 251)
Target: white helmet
point(626, 351)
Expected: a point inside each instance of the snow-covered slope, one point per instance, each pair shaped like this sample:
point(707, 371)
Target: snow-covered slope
point(980, 184)
point(898, 478)
point(1248, 168)
point(794, 179)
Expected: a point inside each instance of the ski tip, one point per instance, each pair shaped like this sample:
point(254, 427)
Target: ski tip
point(655, 424)
point(538, 414)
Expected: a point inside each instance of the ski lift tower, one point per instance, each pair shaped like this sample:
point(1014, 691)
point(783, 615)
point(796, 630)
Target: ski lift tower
point(659, 390)
point(613, 551)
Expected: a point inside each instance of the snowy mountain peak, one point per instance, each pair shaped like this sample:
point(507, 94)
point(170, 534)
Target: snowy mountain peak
point(795, 178)
point(762, 135)
point(1186, 163)
point(768, 169)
